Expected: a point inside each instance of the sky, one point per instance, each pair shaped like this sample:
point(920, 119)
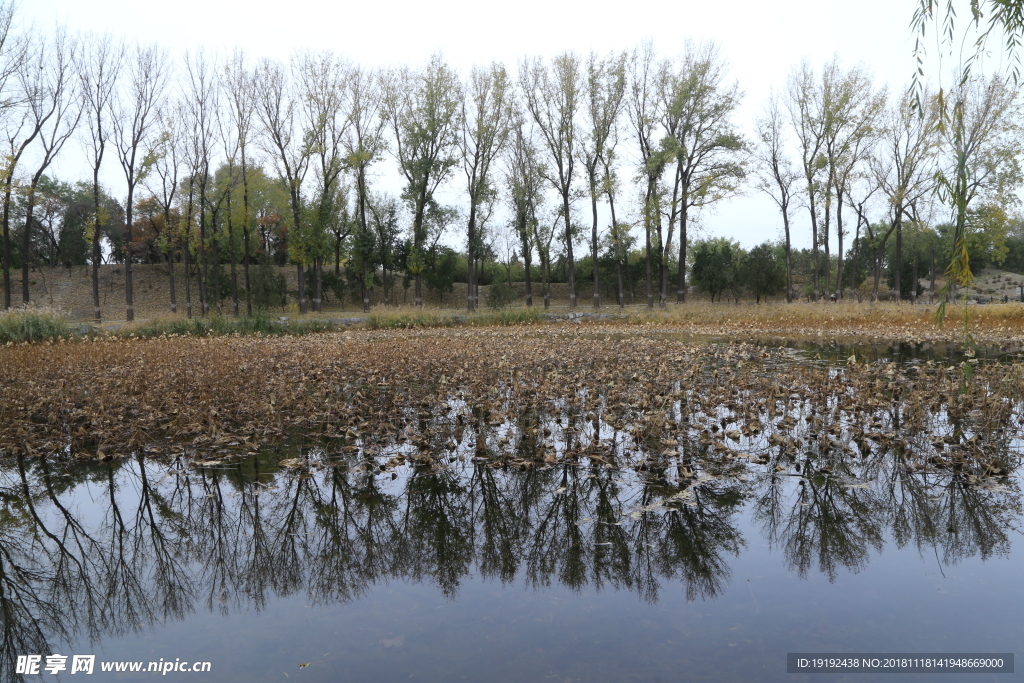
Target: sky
point(760, 40)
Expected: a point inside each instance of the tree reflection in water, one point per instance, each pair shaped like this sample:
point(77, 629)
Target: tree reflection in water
point(102, 549)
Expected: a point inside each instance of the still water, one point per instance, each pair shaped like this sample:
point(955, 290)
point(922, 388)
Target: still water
point(337, 571)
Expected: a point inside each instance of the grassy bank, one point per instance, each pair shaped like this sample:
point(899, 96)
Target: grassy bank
point(889, 320)
point(986, 323)
point(406, 318)
point(219, 325)
point(31, 326)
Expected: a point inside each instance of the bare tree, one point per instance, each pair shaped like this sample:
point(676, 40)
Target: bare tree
point(228, 183)
point(553, 97)
point(777, 177)
point(804, 107)
point(707, 148)
point(619, 237)
point(851, 110)
point(167, 166)
point(238, 85)
point(523, 179)
point(860, 193)
point(644, 114)
point(55, 110)
point(277, 107)
point(364, 144)
point(605, 88)
point(13, 116)
point(904, 167)
point(101, 68)
point(423, 111)
point(324, 121)
point(853, 128)
point(201, 100)
point(133, 123)
point(983, 136)
point(486, 125)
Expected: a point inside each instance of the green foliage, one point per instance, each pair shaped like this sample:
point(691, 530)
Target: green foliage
point(422, 109)
point(331, 284)
point(63, 223)
point(1015, 247)
point(403, 321)
point(259, 323)
point(500, 295)
point(984, 239)
point(763, 272)
point(508, 316)
point(440, 273)
point(25, 326)
point(715, 265)
point(269, 289)
point(906, 279)
point(400, 321)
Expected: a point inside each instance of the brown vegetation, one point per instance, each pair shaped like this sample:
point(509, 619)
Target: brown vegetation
point(993, 323)
point(516, 396)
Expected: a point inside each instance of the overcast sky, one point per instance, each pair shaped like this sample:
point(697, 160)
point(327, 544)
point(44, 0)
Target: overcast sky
point(761, 40)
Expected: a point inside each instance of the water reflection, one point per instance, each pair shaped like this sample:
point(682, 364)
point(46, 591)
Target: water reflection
point(104, 549)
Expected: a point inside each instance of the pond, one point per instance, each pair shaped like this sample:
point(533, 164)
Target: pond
point(550, 513)
point(467, 571)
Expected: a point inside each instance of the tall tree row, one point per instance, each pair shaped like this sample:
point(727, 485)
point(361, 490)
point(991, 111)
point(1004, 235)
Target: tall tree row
point(223, 164)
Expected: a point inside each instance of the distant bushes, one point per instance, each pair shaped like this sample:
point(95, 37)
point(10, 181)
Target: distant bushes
point(32, 325)
point(500, 295)
point(396, 320)
point(268, 287)
point(513, 316)
point(409, 320)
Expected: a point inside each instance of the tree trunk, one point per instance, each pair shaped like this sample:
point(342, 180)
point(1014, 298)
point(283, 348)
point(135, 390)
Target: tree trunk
point(7, 241)
point(789, 262)
point(828, 256)
point(361, 187)
point(618, 249)
point(899, 257)
point(245, 233)
point(814, 243)
point(231, 259)
point(188, 279)
point(318, 287)
point(878, 270)
point(856, 262)
point(913, 285)
point(618, 273)
point(470, 258)
point(216, 270)
point(337, 255)
point(302, 289)
point(129, 293)
point(932, 284)
point(204, 294)
point(529, 284)
point(593, 243)
point(95, 243)
point(647, 246)
point(417, 236)
point(662, 265)
point(568, 250)
point(681, 291)
point(26, 241)
point(170, 276)
point(547, 283)
point(839, 239)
